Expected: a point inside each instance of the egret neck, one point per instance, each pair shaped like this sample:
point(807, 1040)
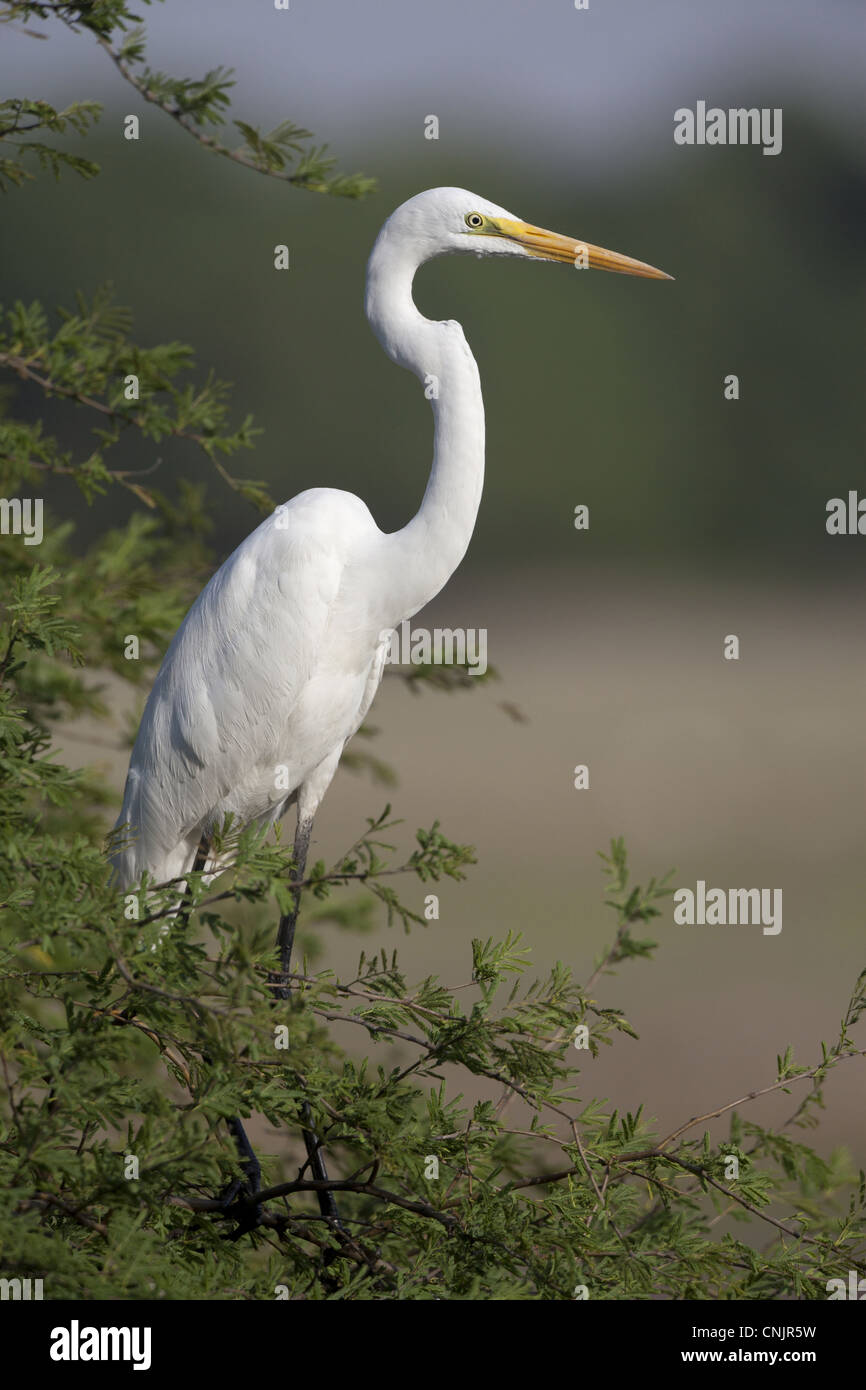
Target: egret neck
point(427, 551)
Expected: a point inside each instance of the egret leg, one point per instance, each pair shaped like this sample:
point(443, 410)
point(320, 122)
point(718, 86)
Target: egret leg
point(286, 933)
point(286, 941)
point(246, 1153)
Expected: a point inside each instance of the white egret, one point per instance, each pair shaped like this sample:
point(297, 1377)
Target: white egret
point(278, 660)
point(275, 665)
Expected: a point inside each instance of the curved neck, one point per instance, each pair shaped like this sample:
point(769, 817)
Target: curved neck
point(426, 552)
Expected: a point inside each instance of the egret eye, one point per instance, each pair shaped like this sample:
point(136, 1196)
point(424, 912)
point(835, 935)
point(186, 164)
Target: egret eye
point(474, 220)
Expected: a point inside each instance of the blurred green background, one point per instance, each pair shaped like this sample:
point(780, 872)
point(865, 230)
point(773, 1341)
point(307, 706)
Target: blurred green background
point(707, 516)
point(600, 390)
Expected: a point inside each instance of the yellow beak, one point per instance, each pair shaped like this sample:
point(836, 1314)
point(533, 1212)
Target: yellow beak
point(550, 246)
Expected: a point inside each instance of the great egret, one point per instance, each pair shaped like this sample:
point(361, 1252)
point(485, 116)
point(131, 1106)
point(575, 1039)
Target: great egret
point(278, 660)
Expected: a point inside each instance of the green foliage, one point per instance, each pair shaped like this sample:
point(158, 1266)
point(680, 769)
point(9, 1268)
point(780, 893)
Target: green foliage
point(122, 1040)
point(89, 359)
point(631, 905)
point(196, 104)
point(436, 858)
point(19, 117)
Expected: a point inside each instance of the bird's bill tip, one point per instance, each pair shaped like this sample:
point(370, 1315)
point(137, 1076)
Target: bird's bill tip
point(551, 246)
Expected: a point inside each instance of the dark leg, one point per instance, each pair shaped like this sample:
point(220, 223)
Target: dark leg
point(249, 1163)
point(253, 1175)
point(286, 933)
point(285, 941)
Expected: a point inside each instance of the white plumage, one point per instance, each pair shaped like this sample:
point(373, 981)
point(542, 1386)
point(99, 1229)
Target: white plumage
point(272, 669)
point(276, 663)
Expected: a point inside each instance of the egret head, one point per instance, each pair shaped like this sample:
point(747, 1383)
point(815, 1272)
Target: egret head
point(445, 220)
